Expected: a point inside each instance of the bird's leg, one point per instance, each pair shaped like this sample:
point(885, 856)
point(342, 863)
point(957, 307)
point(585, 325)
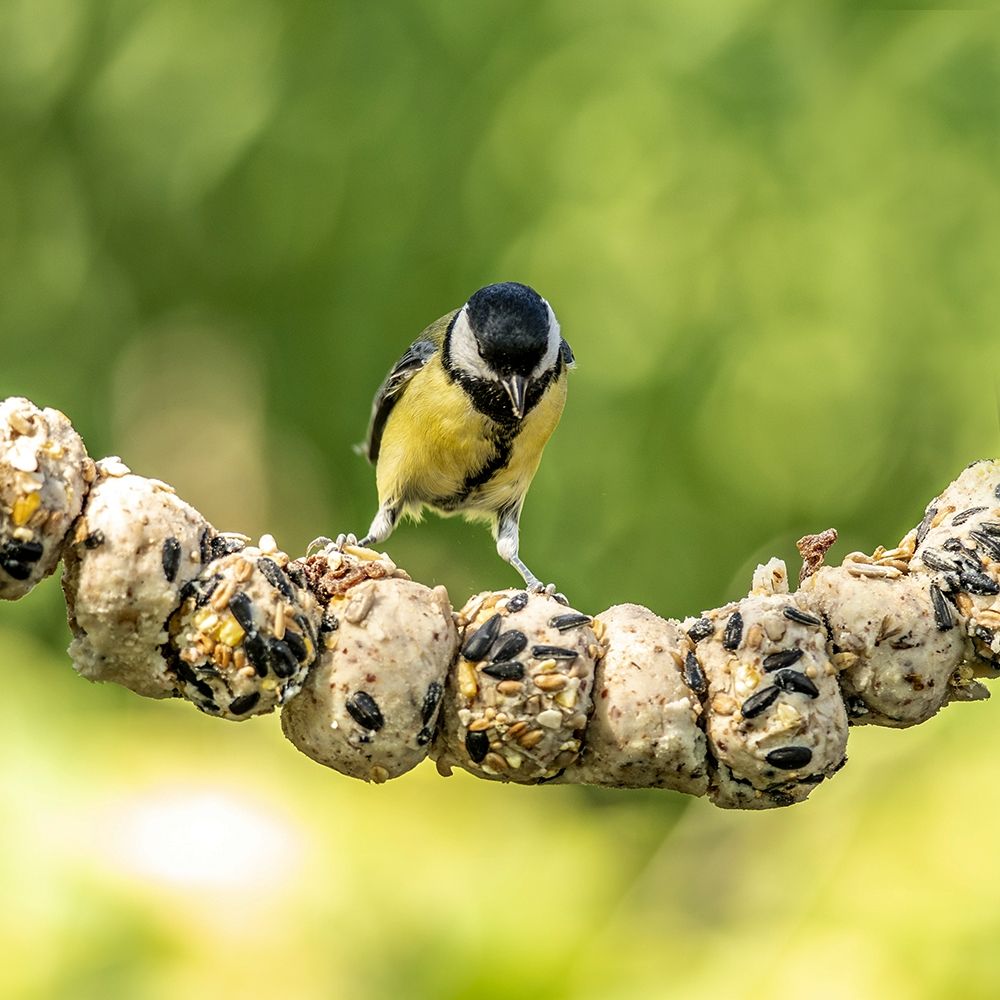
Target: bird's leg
point(508, 527)
point(382, 527)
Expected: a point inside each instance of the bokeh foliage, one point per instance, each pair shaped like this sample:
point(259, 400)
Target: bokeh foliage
point(771, 233)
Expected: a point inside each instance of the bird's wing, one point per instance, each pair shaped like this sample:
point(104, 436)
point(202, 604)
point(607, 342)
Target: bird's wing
point(389, 392)
point(567, 355)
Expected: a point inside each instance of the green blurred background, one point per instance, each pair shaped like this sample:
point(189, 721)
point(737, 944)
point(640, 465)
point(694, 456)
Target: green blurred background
point(771, 232)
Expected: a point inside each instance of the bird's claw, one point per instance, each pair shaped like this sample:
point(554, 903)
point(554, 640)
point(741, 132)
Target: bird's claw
point(342, 540)
point(317, 545)
point(547, 590)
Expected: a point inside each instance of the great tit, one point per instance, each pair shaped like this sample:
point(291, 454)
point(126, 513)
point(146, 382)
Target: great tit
point(461, 419)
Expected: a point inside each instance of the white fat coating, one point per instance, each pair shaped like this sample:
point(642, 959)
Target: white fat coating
point(894, 658)
point(644, 732)
point(741, 745)
point(117, 595)
point(395, 643)
point(44, 477)
point(534, 724)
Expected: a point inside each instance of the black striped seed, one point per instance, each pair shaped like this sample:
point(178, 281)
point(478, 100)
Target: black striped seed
point(226, 546)
point(479, 643)
point(509, 670)
point(701, 629)
point(478, 746)
point(990, 528)
point(989, 544)
point(784, 658)
point(296, 574)
point(283, 660)
point(94, 540)
point(976, 582)
point(564, 623)
point(935, 560)
point(694, 676)
point(243, 704)
point(256, 649)
point(431, 699)
point(553, 653)
point(733, 635)
point(795, 615)
point(925, 524)
point(205, 589)
point(276, 577)
point(242, 609)
point(307, 627)
point(794, 682)
point(364, 710)
point(964, 515)
point(759, 702)
point(509, 645)
point(297, 645)
point(210, 706)
point(18, 558)
point(518, 602)
point(942, 610)
point(171, 558)
point(205, 546)
point(202, 687)
point(424, 737)
point(790, 758)
point(996, 491)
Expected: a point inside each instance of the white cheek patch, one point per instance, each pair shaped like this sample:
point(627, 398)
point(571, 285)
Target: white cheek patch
point(551, 355)
point(465, 354)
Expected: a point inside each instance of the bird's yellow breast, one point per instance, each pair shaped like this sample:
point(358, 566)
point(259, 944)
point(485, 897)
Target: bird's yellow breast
point(435, 441)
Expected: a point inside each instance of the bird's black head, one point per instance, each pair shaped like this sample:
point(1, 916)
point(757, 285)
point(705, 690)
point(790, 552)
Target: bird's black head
point(510, 322)
point(504, 347)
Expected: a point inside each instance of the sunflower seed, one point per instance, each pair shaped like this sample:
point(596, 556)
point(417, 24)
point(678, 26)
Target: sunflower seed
point(242, 609)
point(94, 540)
point(977, 582)
point(790, 758)
point(572, 620)
point(793, 682)
point(942, 610)
point(170, 557)
point(276, 577)
point(964, 515)
point(477, 745)
point(759, 702)
point(553, 653)
point(243, 704)
point(518, 602)
point(795, 615)
point(935, 560)
point(701, 629)
point(477, 646)
point(431, 699)
point(364, 710)
point(989, 544)
point(733, 634)
point(694, 676)
point(509, 670)
point(297, 645)
point(282, 659)
point(784, 658)
point(925, 524)
point(509, 645)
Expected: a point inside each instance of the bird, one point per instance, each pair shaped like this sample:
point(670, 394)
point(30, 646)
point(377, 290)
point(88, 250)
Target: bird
point(460, 422)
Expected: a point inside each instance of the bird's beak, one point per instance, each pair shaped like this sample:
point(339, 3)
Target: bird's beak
point(517, 389)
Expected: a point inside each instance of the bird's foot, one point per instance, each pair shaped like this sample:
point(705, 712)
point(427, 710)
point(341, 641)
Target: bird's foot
point(317, 545)
point(343, 540)
point(535, 586)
